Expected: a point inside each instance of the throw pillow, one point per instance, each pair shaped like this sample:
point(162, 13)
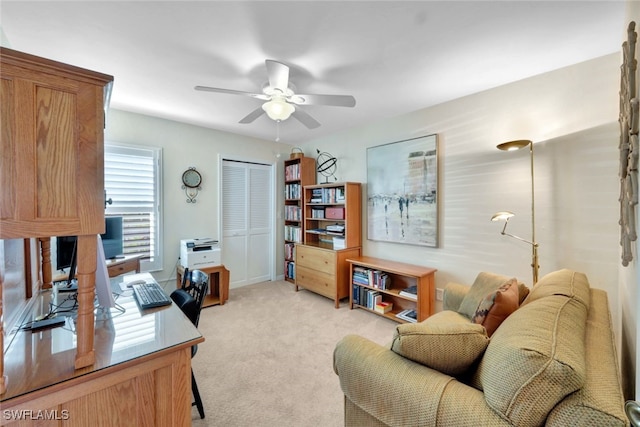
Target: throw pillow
point(497, 306)
point(450, 348)
point(484, 284)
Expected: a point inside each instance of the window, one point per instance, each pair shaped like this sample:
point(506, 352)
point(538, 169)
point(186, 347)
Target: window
point(132, 181)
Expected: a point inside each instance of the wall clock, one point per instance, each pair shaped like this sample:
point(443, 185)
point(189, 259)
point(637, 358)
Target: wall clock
point(191, 181)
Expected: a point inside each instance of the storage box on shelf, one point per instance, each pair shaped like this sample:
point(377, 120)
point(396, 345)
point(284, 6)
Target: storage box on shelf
point(329, 239)
point(298, 172)
point(406, 287)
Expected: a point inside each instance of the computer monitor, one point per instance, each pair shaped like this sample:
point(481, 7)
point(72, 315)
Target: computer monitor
point(112, 243)
point(112, 238)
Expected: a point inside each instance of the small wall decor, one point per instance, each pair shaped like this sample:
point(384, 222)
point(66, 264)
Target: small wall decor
point(326, 165)
point(629, 125)
point(402, 191)
point(191, 180)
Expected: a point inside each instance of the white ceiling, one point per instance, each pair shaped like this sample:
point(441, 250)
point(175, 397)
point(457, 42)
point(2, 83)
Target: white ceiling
point(394, 57)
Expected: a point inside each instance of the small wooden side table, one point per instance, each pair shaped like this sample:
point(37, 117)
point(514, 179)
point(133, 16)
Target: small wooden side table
point(218, 284)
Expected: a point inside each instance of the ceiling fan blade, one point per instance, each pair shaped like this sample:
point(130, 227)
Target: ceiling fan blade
point(278, 75)
point(233, 92)
point(252, 115)
point(334, 100)
point(305, 119)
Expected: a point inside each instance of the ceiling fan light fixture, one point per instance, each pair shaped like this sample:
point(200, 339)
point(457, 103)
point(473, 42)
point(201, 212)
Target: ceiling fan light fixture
point(278, 109)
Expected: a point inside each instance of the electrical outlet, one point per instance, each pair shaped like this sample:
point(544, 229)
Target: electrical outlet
point(439, 294)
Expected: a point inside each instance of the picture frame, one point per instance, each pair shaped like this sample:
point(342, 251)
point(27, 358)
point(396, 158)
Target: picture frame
point(402, 191)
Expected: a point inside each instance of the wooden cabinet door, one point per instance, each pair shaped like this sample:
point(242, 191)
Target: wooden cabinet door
point(52, 158)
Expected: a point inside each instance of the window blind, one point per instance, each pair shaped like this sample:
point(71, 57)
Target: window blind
point(131, 181)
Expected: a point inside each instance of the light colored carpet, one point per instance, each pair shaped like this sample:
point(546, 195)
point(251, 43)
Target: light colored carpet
point(268, 357)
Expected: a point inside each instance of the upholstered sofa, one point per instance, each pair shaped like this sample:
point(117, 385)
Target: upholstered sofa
point(550, 362)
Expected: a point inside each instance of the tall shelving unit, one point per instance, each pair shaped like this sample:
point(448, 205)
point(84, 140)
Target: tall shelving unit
point(298, 172)
point(332, 233)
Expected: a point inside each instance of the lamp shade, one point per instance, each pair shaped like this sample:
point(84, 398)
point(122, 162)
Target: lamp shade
point(502, 216)
point(514, 145)
point(278, 109)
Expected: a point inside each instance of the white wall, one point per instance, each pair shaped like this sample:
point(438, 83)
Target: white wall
point(183, 146)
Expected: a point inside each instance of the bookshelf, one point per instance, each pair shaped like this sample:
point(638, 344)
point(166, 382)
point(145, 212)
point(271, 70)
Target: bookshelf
point(332, 223)
point(389, 281)
point(332, 215)
point(298, 173)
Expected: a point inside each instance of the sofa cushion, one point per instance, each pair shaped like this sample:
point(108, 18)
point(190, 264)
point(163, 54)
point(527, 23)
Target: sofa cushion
point(484, 284)
point(497, 306)
point(562, 282)
point(535, 359)
point(450, 347)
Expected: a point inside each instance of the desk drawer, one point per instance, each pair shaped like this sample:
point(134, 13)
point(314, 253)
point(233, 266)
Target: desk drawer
point(316, 259)
point(316, 281)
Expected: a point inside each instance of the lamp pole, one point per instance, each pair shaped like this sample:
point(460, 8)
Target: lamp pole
point(534, 255)
point(516, 145)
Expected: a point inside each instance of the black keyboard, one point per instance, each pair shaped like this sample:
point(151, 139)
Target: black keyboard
point(150, 295)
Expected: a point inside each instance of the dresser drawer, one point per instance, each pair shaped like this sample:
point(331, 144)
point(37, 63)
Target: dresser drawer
point(316, 281)
point(315, 258)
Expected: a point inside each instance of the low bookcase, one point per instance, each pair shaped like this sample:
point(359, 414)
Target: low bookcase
point(388, 279)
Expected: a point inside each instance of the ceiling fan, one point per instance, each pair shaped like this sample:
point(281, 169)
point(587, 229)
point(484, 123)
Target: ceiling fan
point(281, 99)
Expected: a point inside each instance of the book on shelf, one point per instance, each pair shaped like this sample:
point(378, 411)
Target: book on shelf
point(289, 251)
point(410, 292)
point(384, 307)
point(338, 242)
point(409, 315)
point(290, 269)
point(337, 228)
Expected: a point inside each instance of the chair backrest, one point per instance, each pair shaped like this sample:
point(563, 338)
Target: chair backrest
point(187, 304)
point(196, 284)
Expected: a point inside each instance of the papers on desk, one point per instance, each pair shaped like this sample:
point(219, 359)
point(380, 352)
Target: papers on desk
point(133, 279)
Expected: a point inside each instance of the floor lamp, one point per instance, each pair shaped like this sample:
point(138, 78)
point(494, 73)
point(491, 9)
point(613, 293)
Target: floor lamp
point(505, 215)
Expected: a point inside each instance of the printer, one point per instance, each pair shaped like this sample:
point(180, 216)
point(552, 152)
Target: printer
point(199, 253)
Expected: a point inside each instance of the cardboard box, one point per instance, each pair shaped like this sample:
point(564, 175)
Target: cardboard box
point(334, 213)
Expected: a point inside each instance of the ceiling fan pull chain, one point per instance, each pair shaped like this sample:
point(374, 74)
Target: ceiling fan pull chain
point(277, 130)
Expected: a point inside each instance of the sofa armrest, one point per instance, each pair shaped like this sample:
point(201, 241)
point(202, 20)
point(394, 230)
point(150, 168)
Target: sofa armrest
point(400, 392)
point(453, 295)
point(389, 387)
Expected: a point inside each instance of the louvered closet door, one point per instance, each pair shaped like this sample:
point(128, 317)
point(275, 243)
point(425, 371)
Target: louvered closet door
point(247, 222)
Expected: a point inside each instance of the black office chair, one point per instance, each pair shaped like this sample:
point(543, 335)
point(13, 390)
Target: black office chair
point(189, 299)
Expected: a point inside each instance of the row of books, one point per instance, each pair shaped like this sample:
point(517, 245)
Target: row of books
point(366, 297)
point(327, 195)
point(290, 269)
point(374, 278)
point(292, 172)
point(292, 213)
point(289, 251)
point(293, 191)
point(292, 233)
point(317, 213)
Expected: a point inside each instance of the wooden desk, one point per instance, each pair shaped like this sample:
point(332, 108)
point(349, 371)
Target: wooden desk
point(137, 379)
point(218, 284)
point(128, 263)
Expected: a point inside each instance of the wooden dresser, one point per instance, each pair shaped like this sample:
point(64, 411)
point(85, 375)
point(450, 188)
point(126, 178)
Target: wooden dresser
point(331, 235)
